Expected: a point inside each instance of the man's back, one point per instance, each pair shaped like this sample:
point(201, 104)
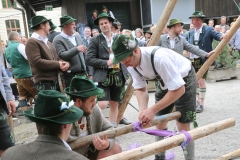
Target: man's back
point(43, 148)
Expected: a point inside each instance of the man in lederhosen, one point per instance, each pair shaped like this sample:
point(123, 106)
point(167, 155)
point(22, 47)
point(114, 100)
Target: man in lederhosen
point(70, 48)
point(111, 78)
point(202, 37)
point(175, 77)
point(42, 56)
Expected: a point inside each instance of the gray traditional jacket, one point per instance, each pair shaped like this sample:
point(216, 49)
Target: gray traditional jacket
point(6, 90)
point(180, 44)
point(97, 57)
point(96, 123)
point(45, 147)
point(68, 52)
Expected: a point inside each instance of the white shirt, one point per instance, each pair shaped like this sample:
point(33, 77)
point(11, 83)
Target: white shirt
point(196, 38)
point(171, 66)
point(88, 39)
point(72, 38)
point(83, 131)
point(109, 43)
point(66, 145)
point(172, 41)
point(21, 50)
point(40, 38)
point(197, 34)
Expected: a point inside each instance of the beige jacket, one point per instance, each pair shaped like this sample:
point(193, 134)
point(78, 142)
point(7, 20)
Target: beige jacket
point(98, 123)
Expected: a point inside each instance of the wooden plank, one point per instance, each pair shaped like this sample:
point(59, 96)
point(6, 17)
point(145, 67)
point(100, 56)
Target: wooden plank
point(231, 155)
point(172, 142)
point(123, 130)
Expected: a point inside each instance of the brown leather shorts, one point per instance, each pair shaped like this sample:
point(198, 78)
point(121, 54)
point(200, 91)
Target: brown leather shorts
point(25, 87)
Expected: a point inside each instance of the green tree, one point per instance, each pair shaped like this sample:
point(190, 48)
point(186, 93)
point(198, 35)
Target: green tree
point(228, 58)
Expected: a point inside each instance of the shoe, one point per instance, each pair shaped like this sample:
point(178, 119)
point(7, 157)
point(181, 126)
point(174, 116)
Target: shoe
point(197, 104)
point(199, 109)
point(157, 157)
point(124, 121)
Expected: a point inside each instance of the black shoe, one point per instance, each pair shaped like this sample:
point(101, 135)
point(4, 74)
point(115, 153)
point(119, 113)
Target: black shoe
point(124, 121)
point(199, 109)
point(157, 157)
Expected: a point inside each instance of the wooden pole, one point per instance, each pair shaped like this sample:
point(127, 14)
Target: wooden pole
point(165, 144)
point(122, 130)
point(218, 49)
point(231, 155)
point(153, 41)
point(126, 98)
point(10, 121)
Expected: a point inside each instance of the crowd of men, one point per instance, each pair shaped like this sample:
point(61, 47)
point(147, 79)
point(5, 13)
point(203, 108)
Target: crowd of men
point(52, 62)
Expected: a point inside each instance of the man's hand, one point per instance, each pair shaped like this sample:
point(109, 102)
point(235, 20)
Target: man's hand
point(223, 36)
point(11, 107)
point(146, 116)
point(101, 144)
point(109, 62)
point(82, 48)
point(63, 66)
point(210, 53)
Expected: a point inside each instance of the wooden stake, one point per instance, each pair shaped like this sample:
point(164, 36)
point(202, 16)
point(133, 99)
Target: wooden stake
point(231, 155)
point(122, 130)
point(165, 144)
point(126, 98)
point(153, 41)
point(218, 49)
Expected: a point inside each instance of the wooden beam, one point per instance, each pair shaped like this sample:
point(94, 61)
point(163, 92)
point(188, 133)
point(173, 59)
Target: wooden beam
point(218, 49)
point(122, 130)
point(153, 41)
point(231, 155)
point(171, 142)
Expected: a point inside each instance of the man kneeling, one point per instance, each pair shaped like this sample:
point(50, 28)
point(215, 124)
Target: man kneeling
point(54, 117)
point(84, 93)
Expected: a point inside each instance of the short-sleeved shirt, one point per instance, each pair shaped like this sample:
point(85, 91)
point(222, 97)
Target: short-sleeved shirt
point(171, 66)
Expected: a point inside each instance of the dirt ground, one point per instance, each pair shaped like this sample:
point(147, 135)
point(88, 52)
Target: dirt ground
point(222, 102)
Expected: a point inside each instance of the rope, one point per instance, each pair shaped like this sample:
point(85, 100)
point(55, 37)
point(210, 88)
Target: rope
point(165, 134)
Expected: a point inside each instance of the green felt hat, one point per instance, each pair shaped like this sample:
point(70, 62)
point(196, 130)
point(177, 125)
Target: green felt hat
point(122, 47)
point(36, 20)
point(148, 31)
point(197, 14)
point(53, 26)
point(53, 107)
point(173, 22)
point(104, 7)
point(103, 15)
point(83, 87)
point(65, 20)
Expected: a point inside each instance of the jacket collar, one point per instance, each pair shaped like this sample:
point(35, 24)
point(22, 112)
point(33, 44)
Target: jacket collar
point(177, 39)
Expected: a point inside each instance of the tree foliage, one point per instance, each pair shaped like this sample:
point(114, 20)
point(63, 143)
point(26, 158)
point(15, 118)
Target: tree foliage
point(228, 58)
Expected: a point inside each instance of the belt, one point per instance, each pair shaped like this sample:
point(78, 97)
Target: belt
point(53, 82)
